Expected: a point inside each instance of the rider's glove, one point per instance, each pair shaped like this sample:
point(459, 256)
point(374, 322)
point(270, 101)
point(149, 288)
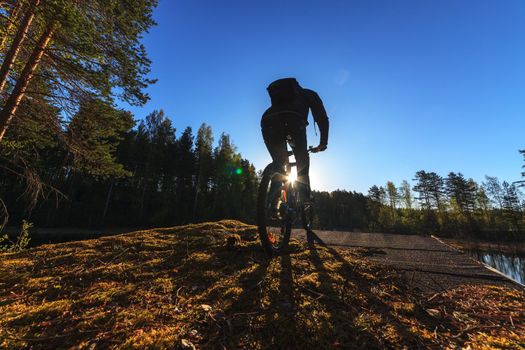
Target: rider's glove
point(319, 148)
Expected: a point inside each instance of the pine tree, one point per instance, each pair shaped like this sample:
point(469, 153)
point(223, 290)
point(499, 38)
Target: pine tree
point(392, 195)
point(375, 205)
point(429, 185)
point(13, 101)
point(10, 12)
point(405, 193)
point(471, 195)
point(423, 186)
point(18, 38)
point(248, 194)
point(436, 189)
point(96, 130)
point(204, 164)
point(512, 205)
point(483, 209)
point(377, 194)
point(494, 190)
point(90, 47)
point(186, 175)
point(223, 156)
point(457, 189)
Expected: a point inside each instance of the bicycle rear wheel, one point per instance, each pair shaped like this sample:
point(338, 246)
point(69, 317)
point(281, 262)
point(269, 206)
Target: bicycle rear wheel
point(273, 219)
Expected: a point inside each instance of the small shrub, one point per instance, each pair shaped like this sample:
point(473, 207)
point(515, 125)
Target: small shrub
point(22, 241)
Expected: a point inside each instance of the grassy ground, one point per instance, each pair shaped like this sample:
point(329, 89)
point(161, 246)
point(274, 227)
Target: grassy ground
point(209, 286)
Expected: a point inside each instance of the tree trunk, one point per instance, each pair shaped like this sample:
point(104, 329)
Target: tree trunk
point(197, 190)
point(108, 198)
point(18, 93)
point(21, 34)
point(10, 23)
point(141, 208)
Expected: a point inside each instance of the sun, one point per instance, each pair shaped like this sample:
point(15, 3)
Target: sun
point(293, 175)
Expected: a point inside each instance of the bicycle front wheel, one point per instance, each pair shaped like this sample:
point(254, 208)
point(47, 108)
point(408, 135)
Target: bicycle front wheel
point(273, 212)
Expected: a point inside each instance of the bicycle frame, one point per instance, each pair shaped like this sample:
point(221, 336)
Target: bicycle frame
point(288, 188)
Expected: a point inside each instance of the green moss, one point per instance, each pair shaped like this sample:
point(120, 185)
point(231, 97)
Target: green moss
point(157, 288)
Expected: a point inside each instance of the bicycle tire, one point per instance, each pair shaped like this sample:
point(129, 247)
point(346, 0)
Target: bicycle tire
point(271, 246)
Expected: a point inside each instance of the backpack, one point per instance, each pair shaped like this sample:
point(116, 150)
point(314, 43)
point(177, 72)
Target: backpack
point(283, 91)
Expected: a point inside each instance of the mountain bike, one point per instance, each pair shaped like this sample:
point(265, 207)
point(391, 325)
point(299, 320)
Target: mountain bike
point(280, 206)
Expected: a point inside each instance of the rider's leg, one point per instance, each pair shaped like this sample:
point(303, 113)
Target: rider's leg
point(275, 141)
point(298, 133)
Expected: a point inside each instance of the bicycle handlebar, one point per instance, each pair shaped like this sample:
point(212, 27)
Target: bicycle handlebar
point(311, 149)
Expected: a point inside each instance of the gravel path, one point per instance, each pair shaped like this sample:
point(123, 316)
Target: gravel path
point(426, 263)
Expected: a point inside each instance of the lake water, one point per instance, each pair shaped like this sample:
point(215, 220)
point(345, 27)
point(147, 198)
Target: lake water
point(511, 265)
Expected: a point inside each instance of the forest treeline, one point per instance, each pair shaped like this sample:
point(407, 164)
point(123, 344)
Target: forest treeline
point(448, 206)
point(148, 174)
point(118, 172)
point(143, 176)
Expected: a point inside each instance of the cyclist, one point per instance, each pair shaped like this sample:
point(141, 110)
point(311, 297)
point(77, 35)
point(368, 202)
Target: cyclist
point(287, 117)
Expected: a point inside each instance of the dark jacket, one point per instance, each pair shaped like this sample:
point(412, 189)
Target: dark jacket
point(290, 100)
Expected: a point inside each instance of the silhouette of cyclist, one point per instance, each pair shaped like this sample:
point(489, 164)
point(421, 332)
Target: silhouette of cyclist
point(287, 118)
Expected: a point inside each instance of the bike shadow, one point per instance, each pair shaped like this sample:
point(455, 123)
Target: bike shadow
point(311, 235)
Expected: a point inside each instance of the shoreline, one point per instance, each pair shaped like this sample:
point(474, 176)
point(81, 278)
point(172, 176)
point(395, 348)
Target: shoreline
point(507, 248)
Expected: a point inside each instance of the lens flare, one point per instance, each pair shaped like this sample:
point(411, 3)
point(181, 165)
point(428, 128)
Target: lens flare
point(293, 175)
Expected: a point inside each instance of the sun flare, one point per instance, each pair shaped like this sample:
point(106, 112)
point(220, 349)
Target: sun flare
point(293, 175)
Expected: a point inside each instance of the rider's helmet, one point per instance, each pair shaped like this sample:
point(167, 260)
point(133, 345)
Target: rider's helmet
point(283, 90)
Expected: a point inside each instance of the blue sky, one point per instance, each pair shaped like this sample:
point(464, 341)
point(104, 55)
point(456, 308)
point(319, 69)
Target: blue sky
point(408, 85)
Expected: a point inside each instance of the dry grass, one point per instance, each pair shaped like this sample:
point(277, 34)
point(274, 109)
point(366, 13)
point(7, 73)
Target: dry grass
point(209, 286)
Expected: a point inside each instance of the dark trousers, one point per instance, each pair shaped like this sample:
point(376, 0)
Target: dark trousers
point(275, 135)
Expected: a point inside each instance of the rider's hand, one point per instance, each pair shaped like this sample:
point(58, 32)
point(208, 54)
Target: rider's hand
point(319, 148)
